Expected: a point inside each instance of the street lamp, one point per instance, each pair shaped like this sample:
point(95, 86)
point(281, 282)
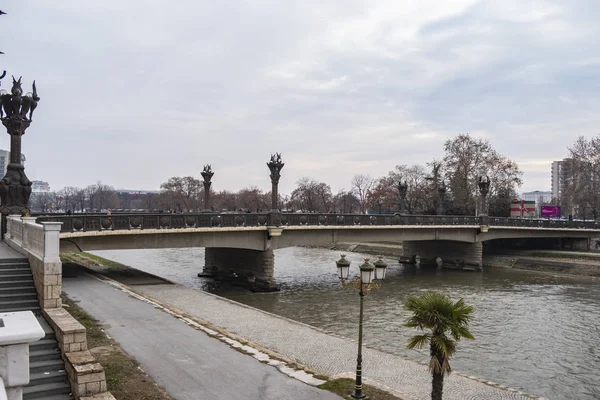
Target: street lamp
point(364, 282)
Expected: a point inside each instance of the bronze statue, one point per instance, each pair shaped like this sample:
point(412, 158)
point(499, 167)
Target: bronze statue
point(275, 166)
point(484, 185)
point(16, 112)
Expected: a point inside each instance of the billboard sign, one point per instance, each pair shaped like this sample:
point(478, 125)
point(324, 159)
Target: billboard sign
point(551, 211)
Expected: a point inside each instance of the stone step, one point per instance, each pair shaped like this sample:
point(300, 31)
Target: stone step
point(15, 270)
point(14, 260)
point(26, 288)
point(44, 344)
point(43, 355)
point(58, 397)
point(16, 277)
point(12, 302)
point(15, 309)
point(46, 390)
point(31, 295)
point(22, 282)
point(42, 378)
point(46, 365)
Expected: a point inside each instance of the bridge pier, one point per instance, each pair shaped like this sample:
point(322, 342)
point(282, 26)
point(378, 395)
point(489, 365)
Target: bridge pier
point(248, 268)
point(444, 252)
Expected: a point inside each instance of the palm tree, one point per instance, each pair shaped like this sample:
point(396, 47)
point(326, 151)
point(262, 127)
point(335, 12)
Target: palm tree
point(445, 324)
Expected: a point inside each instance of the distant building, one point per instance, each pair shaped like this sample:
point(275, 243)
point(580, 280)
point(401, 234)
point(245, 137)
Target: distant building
point(538, 196)
point(40, 186)
point(5, 160)
point(562, 175)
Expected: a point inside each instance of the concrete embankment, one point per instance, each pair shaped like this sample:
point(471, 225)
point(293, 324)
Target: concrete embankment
point(570, 266)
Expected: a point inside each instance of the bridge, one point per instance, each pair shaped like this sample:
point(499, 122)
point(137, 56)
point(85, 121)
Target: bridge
point(242, 244)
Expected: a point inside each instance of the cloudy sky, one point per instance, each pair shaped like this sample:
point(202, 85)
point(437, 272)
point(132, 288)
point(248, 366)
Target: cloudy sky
point(134, 92)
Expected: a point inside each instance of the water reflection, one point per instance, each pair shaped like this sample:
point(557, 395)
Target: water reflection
point(537, 332)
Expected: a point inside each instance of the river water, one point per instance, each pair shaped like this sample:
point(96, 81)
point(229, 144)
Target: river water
point(534, 331)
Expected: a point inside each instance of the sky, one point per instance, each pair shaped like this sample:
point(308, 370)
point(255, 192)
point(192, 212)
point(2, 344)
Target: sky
point(134, 92)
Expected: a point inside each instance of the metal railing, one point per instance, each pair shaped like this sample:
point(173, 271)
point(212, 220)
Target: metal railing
point(97, 222)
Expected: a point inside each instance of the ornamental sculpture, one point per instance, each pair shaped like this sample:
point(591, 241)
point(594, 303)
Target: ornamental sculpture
point(275, 166)
point(402, 191)
point(484, 189)
point(16, 112)
point(207, 174)
point(484, 185)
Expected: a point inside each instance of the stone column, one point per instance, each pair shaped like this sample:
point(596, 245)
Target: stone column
point(249, 268)
point(275, 166)
point(15, 187)
point(207, 175)
point(402, 191)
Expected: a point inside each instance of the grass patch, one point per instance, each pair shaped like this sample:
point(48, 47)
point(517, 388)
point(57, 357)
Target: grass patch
point(344, 387)
point(124, 378)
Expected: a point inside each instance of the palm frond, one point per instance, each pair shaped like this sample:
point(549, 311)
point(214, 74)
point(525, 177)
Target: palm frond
point(418, 341)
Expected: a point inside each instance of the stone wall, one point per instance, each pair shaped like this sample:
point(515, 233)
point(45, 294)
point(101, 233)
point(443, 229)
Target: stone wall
point(86, 376)
point(250, 268)
point(451, 253)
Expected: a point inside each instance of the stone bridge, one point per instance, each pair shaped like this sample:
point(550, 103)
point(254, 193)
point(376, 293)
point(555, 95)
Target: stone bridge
point(242, 244)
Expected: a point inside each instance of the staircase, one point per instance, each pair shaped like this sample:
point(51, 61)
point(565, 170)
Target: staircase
point(48, 379)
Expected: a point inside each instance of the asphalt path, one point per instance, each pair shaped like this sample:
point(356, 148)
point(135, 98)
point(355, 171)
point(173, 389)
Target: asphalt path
point(187, 363)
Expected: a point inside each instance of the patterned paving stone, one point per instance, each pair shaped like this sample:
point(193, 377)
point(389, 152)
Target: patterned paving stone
point(323, 352)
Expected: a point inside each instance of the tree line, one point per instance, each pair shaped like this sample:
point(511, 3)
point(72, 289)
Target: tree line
point(447, 185)
point(579, 179)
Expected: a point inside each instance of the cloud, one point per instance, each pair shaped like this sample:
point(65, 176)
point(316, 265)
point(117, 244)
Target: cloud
point(136, 92)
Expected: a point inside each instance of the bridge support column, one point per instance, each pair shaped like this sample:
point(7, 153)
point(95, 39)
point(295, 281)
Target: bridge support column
point(249, 268)
point(452, 254)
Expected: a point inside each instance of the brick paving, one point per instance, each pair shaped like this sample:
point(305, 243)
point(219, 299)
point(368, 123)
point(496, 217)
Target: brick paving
point(323, 352)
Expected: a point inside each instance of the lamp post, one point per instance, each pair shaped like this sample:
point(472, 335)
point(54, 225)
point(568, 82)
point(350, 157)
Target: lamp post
point(275, 166)
point(368, 273)
point(16, 111)
point(207, 175)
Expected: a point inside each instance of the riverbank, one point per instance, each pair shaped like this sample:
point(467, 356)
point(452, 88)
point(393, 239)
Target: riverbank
point(316, 350)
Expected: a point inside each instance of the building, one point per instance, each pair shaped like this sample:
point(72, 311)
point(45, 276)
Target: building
point(562, 175)
point(538, 196)
point(522, 208)
point(40, 186)
point(5, 160)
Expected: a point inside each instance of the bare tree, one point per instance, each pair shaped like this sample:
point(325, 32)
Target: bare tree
point(361, 185)
point(311, 195)
point(181, 193)
point(465, 160)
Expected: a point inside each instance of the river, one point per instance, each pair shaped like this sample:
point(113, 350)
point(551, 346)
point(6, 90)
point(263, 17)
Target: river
point(534, 331)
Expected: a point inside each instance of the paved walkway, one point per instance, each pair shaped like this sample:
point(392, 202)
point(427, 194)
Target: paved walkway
point(322, 352)
point(187, 363)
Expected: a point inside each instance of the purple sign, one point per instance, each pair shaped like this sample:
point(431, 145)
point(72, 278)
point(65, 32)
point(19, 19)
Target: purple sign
point(551, 211)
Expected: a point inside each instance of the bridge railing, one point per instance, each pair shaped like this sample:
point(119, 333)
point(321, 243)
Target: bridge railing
point(95, 222)
point(98, 222)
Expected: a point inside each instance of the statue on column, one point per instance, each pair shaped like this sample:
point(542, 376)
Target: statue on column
point(275, 166)
point(16, 112)
point(484, 189)
point(207, 175)
point(402, 191)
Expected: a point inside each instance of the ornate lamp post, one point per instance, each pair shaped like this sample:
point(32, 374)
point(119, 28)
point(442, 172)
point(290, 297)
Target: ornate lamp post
point(275, 166)
point(484, 189)
point(364, 282)
point(207, 175)
point(442, 196)
point(402, 190)
point(16, 111)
